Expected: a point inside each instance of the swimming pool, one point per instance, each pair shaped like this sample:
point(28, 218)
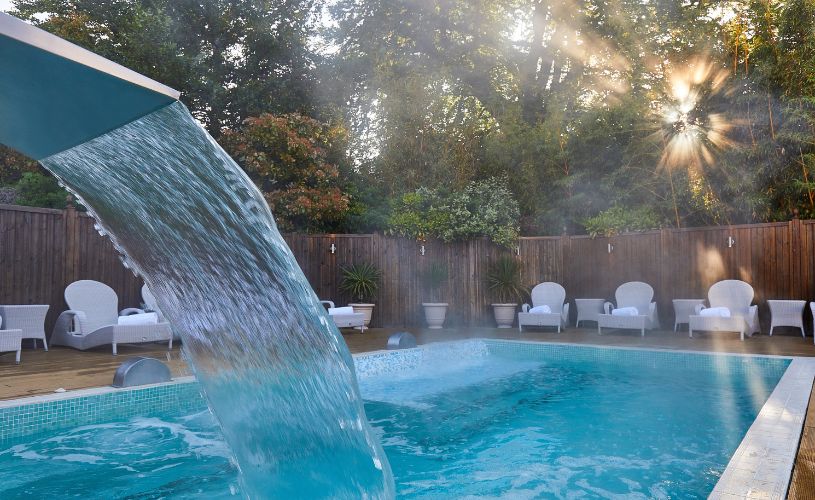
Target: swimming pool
point(471, 418)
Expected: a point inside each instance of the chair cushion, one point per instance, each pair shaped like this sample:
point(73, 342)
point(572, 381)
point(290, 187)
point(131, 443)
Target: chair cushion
point(625, 311)
point(719, 312)
point(541, 310)
point(150, 318)
point(340, 311)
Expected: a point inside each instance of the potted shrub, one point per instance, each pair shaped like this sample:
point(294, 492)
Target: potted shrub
point(433, 278)
point(504, 282)
point(361, 281)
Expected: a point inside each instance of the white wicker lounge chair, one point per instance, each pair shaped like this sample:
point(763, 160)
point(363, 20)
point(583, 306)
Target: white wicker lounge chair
point(632, 294)
point(150, 305)
point(92, 320)
point(787, 313)
point(11, 341)
point(546, 294)
point(735, 295)
point(352, 320)
point(28, 318)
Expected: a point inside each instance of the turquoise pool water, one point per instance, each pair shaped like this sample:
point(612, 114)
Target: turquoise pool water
point(473, 419)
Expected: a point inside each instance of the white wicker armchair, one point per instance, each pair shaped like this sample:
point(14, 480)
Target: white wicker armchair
point(28, 318)
point(736, 296)
point(93, 321)
point(787, 313)
point(632, 294)
point(549, 294)
point(11, 341)
point(683, 308)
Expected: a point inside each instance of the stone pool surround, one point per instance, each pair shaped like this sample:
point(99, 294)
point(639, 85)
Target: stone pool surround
point(761, 467)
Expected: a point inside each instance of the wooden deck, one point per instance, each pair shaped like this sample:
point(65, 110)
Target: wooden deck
point(41, 372)
point(44, 372)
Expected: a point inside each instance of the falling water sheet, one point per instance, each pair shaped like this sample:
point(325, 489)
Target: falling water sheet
point(274, 369)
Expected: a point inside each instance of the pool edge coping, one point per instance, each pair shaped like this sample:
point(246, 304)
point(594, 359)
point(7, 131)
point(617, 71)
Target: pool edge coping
point(762, 465)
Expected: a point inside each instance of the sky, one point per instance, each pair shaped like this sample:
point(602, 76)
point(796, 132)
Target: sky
point(5, 5)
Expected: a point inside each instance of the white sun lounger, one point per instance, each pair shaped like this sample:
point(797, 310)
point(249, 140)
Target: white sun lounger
point(546, 294)
point(150, 305)
point(735, 295)
point(632, 294)
point(353, 320)
point(11, 341)
point(92, 320)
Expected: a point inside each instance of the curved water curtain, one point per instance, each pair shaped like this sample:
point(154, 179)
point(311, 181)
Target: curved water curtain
point(274, 369)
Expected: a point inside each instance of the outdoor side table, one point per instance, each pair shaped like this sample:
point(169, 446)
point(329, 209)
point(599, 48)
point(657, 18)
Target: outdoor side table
point(29, 318)
point(787, 313)
point(683, 308)
point(588, 309)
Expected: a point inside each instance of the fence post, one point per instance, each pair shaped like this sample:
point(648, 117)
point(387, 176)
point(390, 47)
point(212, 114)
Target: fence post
point(663, 293)
point(564, 243)
point(796, 286)
point(72, 243)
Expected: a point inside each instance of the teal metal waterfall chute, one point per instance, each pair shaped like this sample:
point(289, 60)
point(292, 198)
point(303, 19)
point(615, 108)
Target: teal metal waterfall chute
point(55, 95)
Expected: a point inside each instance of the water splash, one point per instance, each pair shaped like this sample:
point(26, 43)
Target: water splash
point(275, 371)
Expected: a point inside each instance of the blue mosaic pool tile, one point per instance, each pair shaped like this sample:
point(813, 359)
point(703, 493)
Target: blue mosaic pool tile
point(717, 363)
point(35, 417)
point(380, 363)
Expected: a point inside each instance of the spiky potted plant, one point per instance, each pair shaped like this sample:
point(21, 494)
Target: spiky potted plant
point(433, 277)
point(504, 282)
point(361, 281)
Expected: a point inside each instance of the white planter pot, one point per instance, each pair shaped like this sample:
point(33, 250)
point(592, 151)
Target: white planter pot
point(366, 309)
point(434, 314)
point(504, 314)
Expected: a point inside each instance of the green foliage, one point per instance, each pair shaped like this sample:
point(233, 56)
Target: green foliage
point(433, 278)
point(370, 207)
point(38, 190)
point(439, 96)
point(290, 158)
point(13, 165)
point(361, 281)
point(482, 208)
point(619, 219)
point(450, 94)
point(503, 279)
point(418, 215)
point(8, 195)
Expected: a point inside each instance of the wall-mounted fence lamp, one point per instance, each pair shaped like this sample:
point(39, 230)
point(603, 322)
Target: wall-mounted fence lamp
point(610, 248)
point(333, 248)
point(421, 250)
point(518, 250)
point(731, 242)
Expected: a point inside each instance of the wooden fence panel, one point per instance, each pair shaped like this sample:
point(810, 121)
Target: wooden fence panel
point(587, 270)
point(32, 264)
point(42, 251)
point(542, 259)
point(99, 261)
